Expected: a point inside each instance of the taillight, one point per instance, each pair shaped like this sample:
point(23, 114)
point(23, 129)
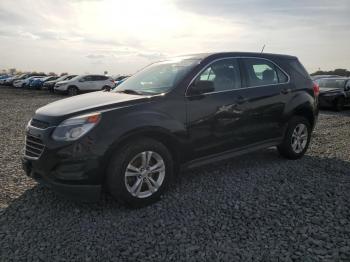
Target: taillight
point(316, 88)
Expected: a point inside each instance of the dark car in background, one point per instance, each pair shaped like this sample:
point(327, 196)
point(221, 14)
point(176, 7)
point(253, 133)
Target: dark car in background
point(334, 92)
point(174, 114)
point(49, 85)
point(38, 83)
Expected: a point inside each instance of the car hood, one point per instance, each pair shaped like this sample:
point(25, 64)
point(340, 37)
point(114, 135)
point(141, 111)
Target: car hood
point(89, 102)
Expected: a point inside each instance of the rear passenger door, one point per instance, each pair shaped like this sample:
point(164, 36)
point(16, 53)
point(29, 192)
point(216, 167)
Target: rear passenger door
point(266, 90)
point(100, 82)
point(86, 83)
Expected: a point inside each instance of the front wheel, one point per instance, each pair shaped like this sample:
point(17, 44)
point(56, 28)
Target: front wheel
point(139, 172)
point(297, 138)
point(72, 91)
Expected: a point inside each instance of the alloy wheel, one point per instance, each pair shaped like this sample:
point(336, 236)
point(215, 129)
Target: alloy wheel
point(144, 174)
point(299, 138)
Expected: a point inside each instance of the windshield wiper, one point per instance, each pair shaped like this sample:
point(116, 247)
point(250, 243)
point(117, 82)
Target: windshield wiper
point(129, 91)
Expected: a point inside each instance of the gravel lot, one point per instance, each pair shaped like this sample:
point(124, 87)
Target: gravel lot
point(258, 207)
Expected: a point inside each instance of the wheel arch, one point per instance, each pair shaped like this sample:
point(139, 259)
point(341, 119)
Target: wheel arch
point(156, 133)
point(307, 112)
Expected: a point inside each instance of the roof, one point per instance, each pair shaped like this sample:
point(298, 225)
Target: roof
point(248, 54)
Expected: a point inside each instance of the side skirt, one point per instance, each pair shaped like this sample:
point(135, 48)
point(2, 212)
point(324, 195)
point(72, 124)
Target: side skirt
point(230, 153)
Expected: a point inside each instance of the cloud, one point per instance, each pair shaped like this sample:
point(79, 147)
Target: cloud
point(152, 55)
point(271, 13)
point(95, 56)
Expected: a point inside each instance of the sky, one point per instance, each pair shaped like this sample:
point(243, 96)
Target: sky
point(93, 36)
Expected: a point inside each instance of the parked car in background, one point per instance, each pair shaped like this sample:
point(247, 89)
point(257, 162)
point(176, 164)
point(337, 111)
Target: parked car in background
point(3, 79)
point(334, 92)
point(9, 81)
point(84, 83)
point(37, 83)
point(182, 112)
point(26, 81)
point(316, 77)
point(49, 85)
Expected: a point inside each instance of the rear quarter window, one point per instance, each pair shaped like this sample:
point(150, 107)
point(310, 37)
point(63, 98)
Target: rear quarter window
point(297, 66)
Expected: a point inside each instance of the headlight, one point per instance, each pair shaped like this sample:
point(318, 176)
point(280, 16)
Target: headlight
point(75, 127)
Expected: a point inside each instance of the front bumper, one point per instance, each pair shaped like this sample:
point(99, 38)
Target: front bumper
point(85, 193)
point(74, 169)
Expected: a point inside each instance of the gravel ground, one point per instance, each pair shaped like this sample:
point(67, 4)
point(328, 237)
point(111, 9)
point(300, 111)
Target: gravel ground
point(258, 207)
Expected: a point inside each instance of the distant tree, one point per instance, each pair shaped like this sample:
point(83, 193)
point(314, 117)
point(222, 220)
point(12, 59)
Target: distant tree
point(52, 74)
point(12, 71)
point(339, 72)
point(63, 74)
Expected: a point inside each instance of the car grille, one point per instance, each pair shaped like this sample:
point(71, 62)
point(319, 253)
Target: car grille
point(34, 147)
point(39, 124)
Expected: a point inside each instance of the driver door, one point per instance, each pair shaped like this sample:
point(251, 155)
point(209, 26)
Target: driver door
point(213, 118)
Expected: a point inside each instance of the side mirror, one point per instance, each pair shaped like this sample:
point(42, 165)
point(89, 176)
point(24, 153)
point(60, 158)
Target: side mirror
point(201, 87)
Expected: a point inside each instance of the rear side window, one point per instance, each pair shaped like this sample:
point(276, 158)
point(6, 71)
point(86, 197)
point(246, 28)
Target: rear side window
point(224, 74)
point(101, 78)
point(262, 72)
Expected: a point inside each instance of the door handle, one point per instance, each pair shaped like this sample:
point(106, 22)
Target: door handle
point(285, 91)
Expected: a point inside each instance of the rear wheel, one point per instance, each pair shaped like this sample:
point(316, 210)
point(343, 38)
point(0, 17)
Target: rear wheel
point(139, 172)
point(297, 138)
point(339, 104)
point(72, 90)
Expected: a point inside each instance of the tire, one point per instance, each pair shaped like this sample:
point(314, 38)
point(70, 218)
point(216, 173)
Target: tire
point(129, 156)
point(339, 104)
point(296, 141)
point(106, 88)
point(72, 91)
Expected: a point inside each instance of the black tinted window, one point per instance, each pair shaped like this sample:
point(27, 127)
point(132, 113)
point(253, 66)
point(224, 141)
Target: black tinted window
point(99, 78)
point(263, 72)
point(88, 78)
point(297, 66)
point(224, 74)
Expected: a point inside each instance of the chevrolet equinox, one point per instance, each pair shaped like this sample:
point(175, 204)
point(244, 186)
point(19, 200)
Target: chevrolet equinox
point(174, 114)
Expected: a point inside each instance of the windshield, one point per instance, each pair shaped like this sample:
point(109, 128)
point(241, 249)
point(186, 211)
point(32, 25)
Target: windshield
point(332, 83)
point(158, 78)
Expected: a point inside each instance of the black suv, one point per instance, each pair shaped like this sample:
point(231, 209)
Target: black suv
point(182, 112)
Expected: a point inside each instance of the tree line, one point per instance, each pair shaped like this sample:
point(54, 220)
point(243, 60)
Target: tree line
point(339, 72)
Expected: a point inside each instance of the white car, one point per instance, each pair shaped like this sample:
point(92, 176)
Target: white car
point(25, 82)
point(85, 83)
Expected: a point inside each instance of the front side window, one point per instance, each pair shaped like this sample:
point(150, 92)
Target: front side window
point(261, 72)
point(224, 74)
point(159, 77)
